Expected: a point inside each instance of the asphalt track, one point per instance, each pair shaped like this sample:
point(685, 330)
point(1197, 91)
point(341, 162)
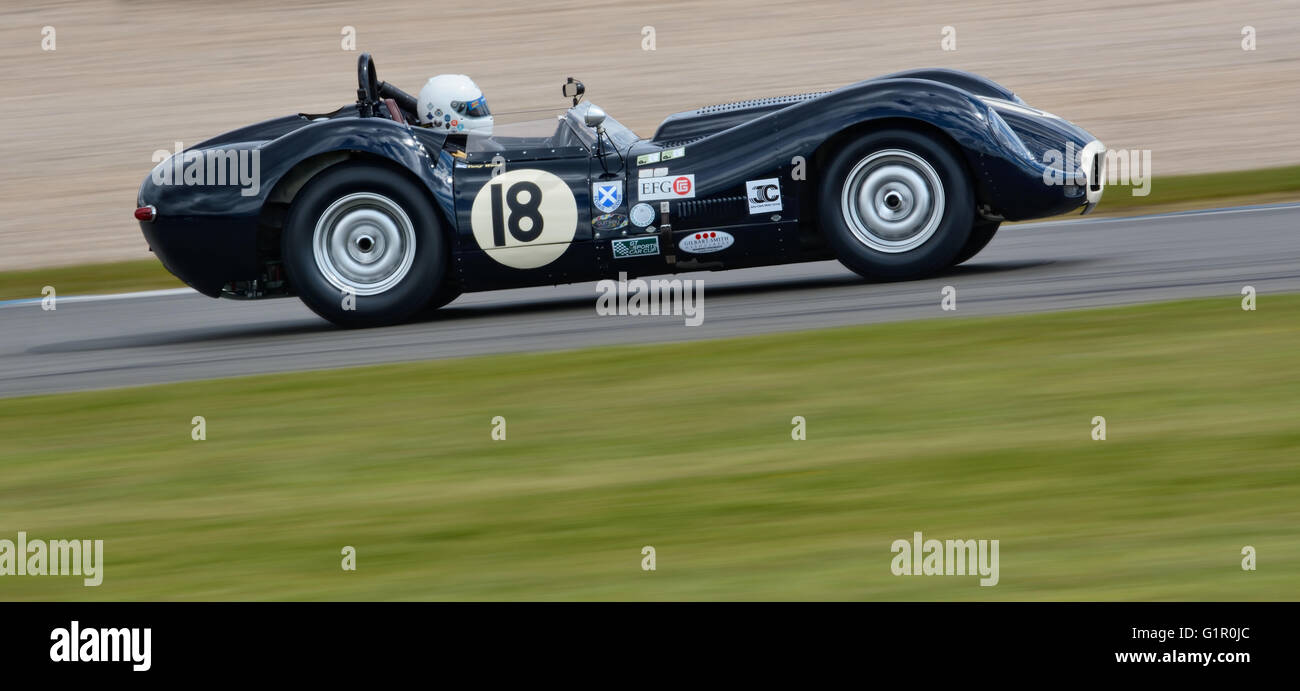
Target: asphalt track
point(177, 335)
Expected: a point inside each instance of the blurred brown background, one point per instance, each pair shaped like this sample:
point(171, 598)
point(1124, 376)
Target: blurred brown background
point(127, 78)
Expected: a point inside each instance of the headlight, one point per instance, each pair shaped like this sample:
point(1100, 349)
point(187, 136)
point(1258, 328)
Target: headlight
point(1007, 137)
point(1017, 106)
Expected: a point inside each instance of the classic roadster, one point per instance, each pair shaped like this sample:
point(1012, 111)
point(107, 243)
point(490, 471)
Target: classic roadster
point(371, 215)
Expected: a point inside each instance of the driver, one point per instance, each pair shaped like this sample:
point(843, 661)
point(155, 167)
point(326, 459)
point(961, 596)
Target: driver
point(453, 102)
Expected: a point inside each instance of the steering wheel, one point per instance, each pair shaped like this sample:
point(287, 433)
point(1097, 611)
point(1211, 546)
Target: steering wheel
point(367, 86)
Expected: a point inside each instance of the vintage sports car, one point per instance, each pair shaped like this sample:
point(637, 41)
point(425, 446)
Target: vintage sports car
point(384, 208)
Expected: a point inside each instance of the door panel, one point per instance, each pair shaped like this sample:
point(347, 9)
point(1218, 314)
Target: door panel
point(524, 223)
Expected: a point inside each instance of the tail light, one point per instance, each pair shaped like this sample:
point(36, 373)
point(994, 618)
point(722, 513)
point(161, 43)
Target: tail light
point(145, 213)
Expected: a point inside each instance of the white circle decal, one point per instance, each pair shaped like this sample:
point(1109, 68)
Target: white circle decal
point(524, 218)
point(642, 215)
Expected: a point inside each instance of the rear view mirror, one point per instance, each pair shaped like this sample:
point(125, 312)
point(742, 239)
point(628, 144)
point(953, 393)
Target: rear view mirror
point(573, 89)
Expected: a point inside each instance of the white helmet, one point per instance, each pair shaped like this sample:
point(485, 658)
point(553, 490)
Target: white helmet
point(454, 103)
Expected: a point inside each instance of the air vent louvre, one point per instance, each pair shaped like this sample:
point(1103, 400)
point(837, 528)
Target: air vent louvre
point(775, 100)
point(677, 142)
point(696, 208)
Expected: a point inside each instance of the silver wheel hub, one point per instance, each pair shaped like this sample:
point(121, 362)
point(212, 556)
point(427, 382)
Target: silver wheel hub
point(893, 201)
point(364, 244)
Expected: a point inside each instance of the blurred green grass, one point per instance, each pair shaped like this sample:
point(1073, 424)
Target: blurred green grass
point(83, 279)
point(969, 429)
point(1203, 191)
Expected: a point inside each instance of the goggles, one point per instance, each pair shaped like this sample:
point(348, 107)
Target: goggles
point(476, 108)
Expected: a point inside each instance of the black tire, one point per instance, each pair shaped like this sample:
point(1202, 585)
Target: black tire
point(980, 236)
point(354, 195)
point(883, 163)
point(443, 296)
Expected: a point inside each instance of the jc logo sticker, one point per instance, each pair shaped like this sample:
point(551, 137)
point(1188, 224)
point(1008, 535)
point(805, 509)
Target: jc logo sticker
point(764, 195)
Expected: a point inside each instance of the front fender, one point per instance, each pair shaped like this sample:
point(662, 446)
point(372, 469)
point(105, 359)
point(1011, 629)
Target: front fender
point(967, 81)
point(1004, 180)
point(773, 140)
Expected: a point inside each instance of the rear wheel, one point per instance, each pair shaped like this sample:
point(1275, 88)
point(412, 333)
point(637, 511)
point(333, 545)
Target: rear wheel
point(980, 236)
point(363, 246)
point(896, 204)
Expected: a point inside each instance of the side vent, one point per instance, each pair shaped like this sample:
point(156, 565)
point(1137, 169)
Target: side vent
point(723, 208)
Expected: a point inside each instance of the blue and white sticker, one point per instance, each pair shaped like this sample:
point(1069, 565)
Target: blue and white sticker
point(642, 215)
point(607, 196)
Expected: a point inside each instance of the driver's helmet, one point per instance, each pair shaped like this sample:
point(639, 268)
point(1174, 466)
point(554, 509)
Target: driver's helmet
point(453, 102)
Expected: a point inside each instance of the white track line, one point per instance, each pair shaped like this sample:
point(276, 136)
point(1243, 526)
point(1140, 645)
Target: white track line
point(99, 298)
point(1155, 217)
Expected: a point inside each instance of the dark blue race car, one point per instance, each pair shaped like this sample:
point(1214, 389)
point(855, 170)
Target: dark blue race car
point(380, 211)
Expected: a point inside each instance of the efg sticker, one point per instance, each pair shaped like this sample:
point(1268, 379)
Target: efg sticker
point(666, 187)
point(642, 215)
point(635, 247)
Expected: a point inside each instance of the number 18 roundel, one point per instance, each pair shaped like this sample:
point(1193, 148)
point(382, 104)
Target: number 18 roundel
point(524, 218)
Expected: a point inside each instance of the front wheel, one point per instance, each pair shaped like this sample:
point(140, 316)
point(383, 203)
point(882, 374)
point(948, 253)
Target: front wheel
point(896, 205)
point(363, 246)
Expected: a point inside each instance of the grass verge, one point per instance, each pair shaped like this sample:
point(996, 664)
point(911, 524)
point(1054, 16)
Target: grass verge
point(1186, 192)
point(965, 429)
point(83, 279)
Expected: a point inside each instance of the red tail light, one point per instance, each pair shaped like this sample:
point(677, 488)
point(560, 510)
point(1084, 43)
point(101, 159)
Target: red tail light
point(145, 213)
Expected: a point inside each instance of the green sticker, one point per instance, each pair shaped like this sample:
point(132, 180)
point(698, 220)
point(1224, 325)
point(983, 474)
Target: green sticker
point(635, 247)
